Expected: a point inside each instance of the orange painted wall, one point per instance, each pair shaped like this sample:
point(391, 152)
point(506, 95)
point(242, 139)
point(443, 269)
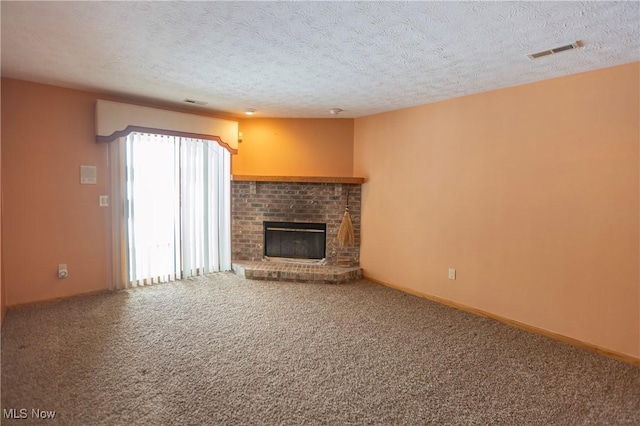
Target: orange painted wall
point(3, 303)
point(48, 216)
point(531, 193)
point(295, 147)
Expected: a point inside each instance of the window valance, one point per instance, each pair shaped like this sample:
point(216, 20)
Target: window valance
point(114, 120)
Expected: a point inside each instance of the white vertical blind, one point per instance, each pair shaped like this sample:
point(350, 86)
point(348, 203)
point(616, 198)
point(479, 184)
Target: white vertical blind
point(205, 207)
point(152, 189)
point(176, 200)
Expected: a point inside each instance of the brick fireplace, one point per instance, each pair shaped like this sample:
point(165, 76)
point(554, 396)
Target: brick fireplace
point(255, 202)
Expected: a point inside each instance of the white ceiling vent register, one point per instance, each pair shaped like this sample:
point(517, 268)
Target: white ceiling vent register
point(555, 50)
point(193, 101)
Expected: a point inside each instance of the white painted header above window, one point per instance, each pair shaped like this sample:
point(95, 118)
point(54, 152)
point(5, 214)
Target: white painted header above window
point(114, 120)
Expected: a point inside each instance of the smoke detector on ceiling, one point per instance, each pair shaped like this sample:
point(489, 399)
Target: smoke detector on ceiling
point(335, 111)
point(555, 50)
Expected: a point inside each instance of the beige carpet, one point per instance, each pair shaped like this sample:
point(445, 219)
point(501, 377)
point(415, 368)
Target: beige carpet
point(224, 350)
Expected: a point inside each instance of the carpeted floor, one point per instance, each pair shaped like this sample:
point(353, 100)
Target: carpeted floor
point(224, 350)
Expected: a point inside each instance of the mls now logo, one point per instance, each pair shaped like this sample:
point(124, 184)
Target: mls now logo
point(23, 413)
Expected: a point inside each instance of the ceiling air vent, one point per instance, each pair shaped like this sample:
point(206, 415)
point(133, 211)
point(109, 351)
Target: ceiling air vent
point(571, 46)
point(191, 101)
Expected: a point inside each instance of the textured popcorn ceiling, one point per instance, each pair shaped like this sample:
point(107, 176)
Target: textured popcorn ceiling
point(298, 59)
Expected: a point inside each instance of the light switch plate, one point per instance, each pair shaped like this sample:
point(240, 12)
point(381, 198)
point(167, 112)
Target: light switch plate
point(104, 200)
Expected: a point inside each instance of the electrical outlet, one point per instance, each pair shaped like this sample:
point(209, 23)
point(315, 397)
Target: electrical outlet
point(62, 271)
point(452, 274)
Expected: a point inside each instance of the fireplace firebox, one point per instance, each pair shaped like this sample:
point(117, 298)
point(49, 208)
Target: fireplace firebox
point(295, 240)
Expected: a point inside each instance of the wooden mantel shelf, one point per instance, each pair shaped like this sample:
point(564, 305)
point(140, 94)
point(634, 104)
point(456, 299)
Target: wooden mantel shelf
point(304, 179)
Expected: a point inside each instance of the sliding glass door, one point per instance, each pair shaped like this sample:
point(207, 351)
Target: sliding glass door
point(176, 209)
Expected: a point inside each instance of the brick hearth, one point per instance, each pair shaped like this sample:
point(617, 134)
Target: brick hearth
point(278, 271)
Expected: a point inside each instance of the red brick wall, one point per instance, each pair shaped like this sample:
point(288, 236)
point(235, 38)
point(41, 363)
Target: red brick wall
point(254, 202)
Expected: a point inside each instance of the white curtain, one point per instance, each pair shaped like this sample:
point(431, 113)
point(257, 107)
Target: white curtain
point(174, 195)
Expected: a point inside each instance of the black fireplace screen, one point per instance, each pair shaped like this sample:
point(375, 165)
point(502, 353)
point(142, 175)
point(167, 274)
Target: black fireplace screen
point(295, 240)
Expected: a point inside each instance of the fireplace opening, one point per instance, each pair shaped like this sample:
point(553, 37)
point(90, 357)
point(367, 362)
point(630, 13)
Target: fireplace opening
point(295, 240)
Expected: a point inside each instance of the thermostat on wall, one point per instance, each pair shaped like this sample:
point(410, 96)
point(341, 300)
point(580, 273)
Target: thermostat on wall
point(88, 175)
